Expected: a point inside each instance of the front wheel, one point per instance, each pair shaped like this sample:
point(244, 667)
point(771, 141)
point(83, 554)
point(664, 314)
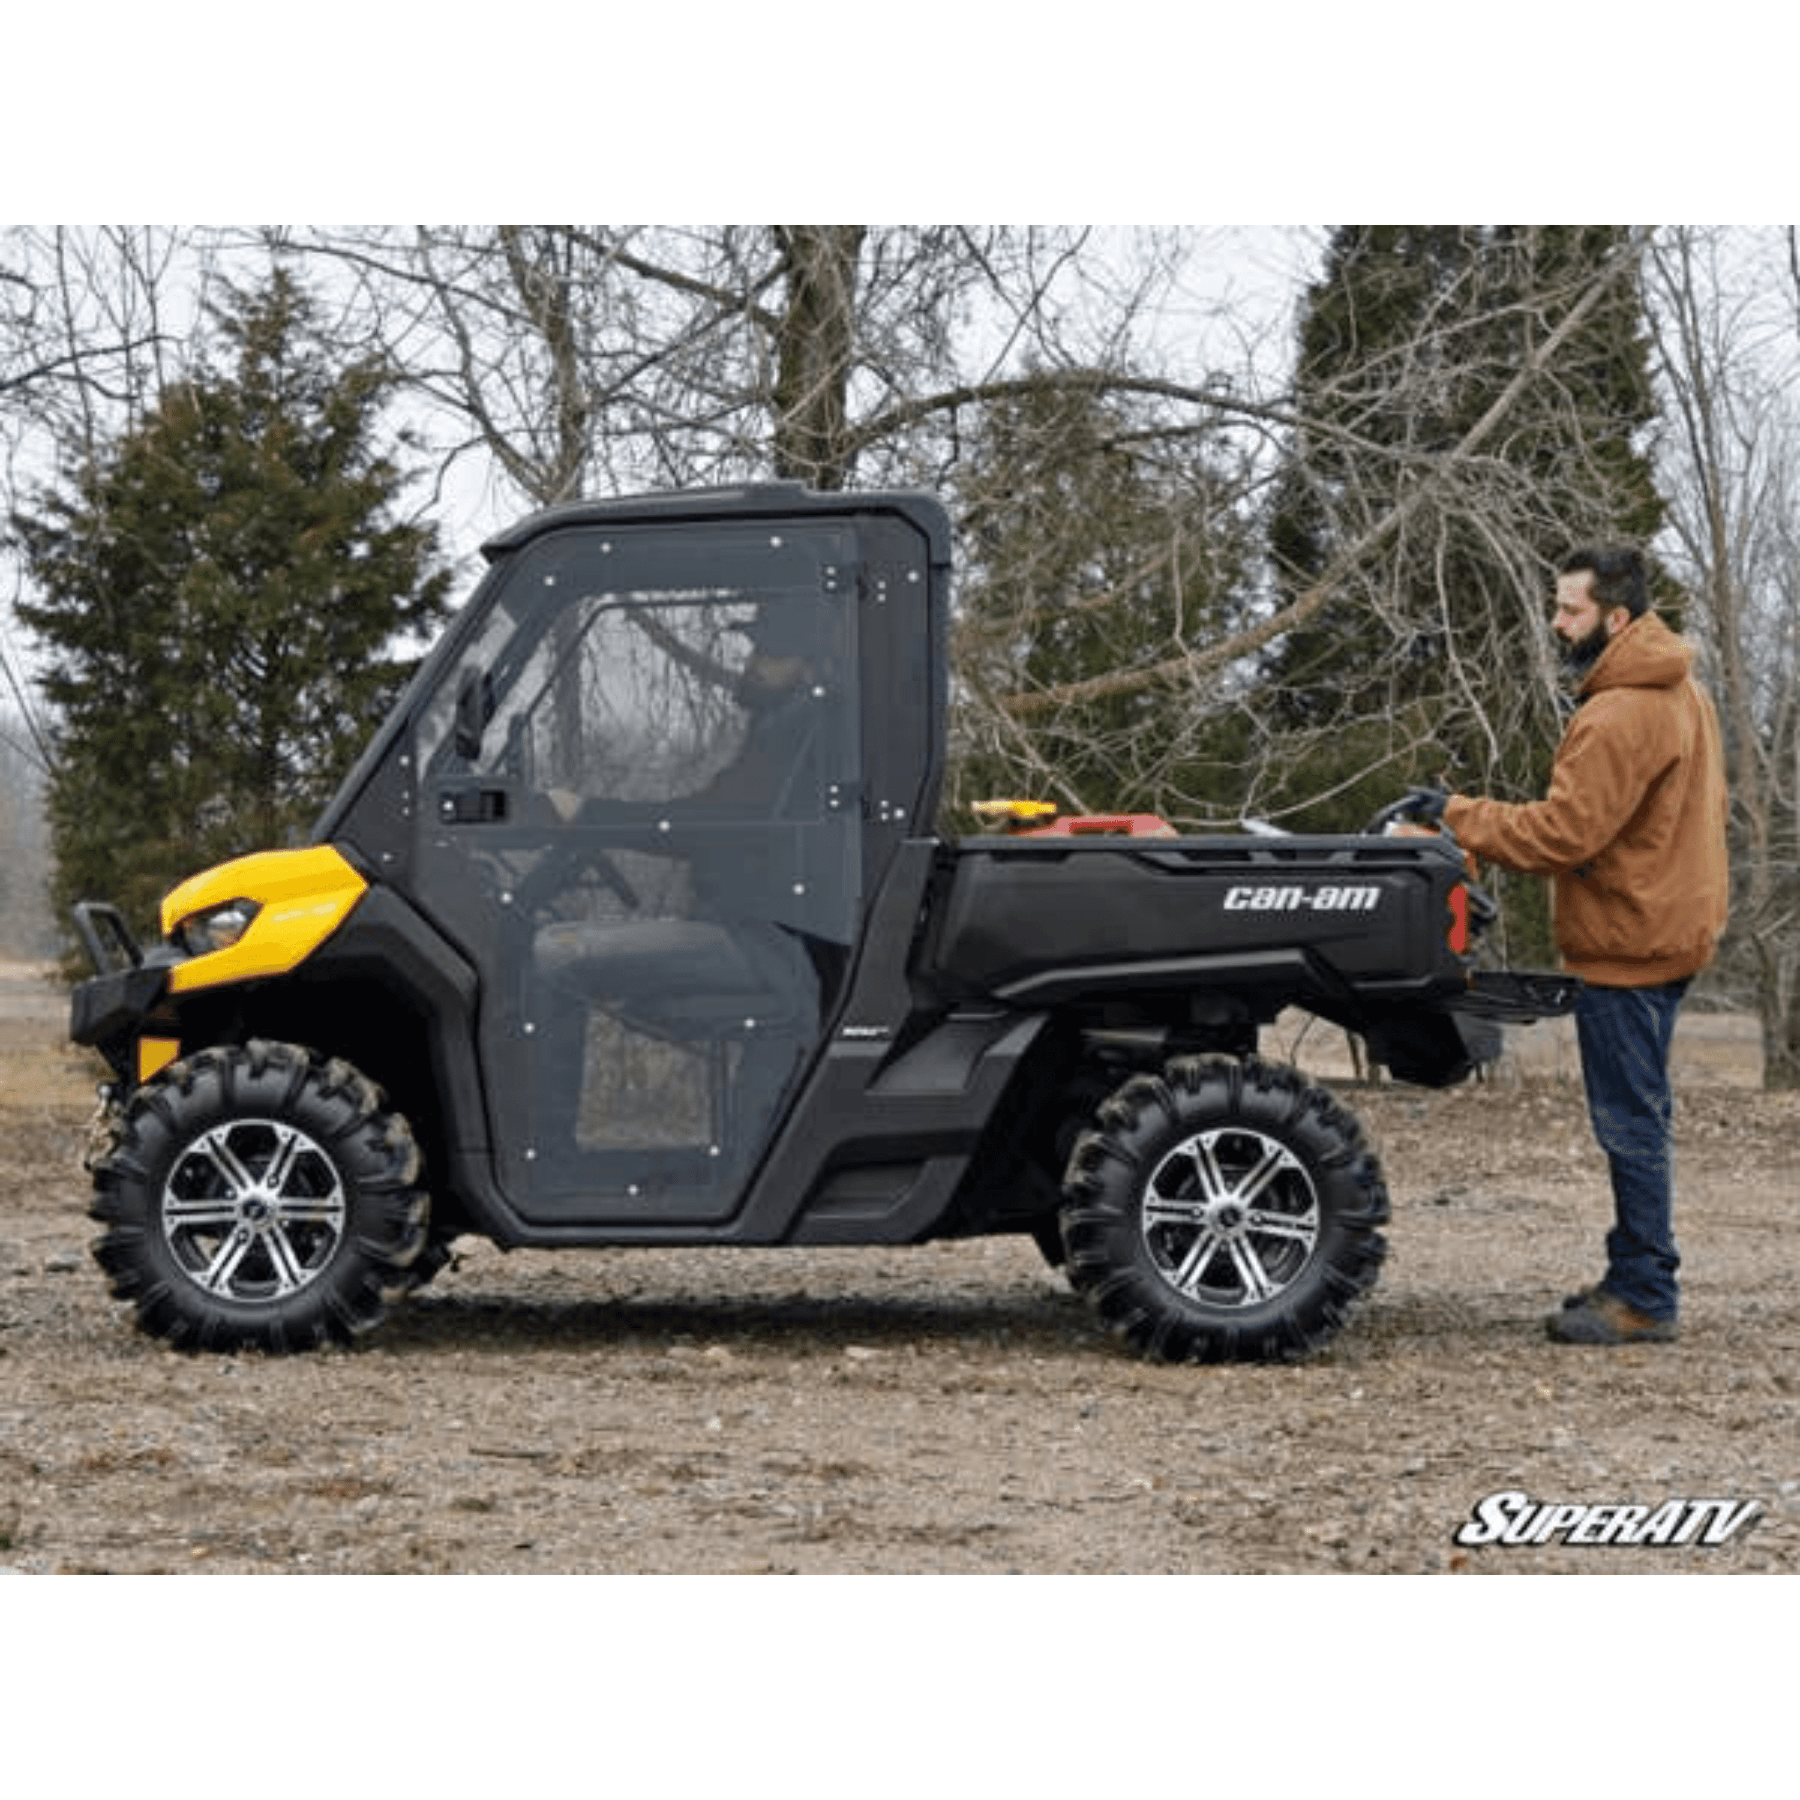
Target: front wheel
point(1224, 1209)
point(259, 1197)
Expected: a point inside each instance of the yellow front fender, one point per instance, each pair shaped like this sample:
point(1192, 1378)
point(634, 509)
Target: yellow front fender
point(302, 897)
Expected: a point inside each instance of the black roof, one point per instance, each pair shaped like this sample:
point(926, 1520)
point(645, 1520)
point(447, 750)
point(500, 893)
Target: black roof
point(786, 499)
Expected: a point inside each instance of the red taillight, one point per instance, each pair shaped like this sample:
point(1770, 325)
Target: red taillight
point(1459, 919)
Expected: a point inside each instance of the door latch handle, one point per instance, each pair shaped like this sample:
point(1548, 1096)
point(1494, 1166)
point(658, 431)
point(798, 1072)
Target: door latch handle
point(472, 805)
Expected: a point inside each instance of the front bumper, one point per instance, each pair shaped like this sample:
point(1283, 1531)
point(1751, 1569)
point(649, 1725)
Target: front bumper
point(119, 1005)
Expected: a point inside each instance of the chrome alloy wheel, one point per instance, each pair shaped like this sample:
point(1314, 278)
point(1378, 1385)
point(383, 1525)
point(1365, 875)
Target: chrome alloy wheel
point(1230, 1217)
point(253, 1210)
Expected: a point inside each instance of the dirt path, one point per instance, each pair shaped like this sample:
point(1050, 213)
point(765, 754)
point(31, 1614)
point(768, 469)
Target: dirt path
point(946, 1409)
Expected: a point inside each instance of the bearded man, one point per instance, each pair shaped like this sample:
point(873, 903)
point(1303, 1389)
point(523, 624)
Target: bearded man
point(1632, 835)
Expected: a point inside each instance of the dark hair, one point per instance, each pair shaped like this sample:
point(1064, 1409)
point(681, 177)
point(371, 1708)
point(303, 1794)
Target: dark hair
point(1619, 577)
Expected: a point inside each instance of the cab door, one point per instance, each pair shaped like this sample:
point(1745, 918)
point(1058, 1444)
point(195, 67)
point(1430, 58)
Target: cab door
point(640, 818)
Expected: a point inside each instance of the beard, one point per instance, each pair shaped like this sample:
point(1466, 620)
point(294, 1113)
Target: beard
point(1581, 655)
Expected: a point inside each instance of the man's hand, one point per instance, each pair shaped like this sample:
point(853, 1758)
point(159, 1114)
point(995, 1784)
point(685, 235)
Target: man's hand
point(1425, 805)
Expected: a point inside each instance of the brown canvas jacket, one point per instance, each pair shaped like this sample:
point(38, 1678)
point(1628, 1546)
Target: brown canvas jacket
point(1632, 831)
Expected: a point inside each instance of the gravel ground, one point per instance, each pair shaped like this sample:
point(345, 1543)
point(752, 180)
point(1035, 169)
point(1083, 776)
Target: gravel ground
point(950, 1409)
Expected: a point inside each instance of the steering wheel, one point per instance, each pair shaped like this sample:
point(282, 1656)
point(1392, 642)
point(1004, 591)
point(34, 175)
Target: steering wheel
point(567, 865)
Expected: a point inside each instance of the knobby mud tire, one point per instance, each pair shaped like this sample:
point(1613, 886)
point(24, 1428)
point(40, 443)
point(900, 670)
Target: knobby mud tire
point(1223, 1210)
point(438, 1254)
point(259, 1197)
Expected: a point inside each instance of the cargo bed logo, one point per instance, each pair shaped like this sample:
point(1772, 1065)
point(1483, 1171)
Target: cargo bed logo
point(1302, 899)
point(1514, 1519)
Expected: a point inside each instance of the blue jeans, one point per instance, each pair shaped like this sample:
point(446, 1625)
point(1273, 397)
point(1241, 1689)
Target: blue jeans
point(1625, 1035)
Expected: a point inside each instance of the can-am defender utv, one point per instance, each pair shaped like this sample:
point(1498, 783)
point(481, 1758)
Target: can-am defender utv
point(630, 927)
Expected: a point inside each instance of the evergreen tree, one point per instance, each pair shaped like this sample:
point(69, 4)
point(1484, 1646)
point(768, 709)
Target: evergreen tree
point(225, 593)
point(1438, 660)
point(1093, 545)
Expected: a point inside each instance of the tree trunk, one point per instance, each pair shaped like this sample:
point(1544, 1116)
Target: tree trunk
point(813, 354)
point(546, 295)
point(1778, 1003)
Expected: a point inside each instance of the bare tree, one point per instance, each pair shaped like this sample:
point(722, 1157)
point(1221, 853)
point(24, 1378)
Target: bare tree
point(1095, 543)
point(594, 358)
point(588, 358)
point(1733, 474)
point(1420, 494)
point(91, 322)
point(26, 925)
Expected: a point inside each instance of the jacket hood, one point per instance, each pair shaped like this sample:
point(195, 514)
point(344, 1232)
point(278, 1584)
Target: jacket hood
point(1646, 654)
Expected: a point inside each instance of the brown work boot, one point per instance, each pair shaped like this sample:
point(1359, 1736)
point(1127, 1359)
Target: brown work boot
point(1598, 1317)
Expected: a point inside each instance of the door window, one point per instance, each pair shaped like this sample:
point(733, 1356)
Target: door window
point(641, 815)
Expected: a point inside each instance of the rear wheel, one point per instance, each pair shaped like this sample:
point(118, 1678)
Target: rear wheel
point(259, 1197)
point(1225, 1209)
